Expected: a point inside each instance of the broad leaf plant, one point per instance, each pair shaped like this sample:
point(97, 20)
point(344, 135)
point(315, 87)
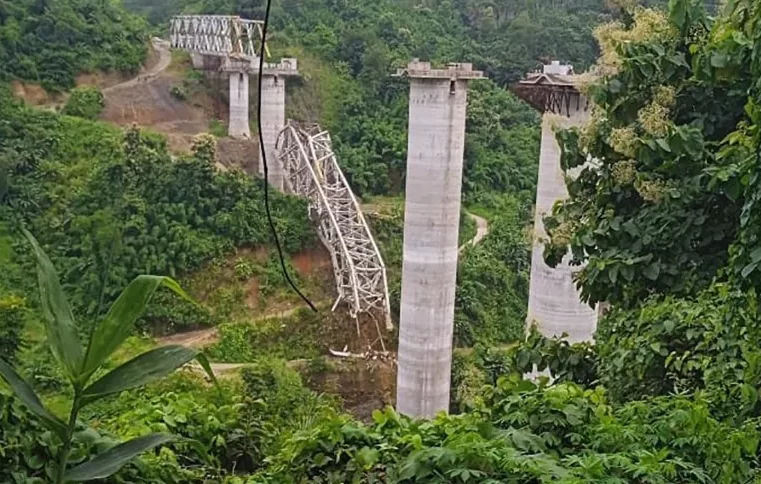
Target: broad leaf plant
point(82, 365)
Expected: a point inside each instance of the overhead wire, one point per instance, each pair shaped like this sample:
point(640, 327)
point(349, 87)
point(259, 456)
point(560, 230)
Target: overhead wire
point(263, 154)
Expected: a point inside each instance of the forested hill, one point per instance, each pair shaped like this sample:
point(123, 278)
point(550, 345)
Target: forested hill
point(505, 38)
point(51, 41)
point(348, 49)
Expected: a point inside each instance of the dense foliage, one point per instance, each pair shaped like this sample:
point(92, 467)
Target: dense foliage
point(52, 41)
point(527, 434)
point(83, 366)
point(30, 450)
point(492, 279)
point(84, 102)
point(135, 209)
point(661, 207)
point(708, 342)
point(12, 321)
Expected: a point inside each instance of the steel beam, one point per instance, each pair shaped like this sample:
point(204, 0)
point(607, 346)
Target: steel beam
point(311, 170)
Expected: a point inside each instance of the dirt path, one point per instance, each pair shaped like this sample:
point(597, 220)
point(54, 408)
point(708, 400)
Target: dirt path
point(165, 58)
point(202, 338)
point(482, 230)
point(147, 101)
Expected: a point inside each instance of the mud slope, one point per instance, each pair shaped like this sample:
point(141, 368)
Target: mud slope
point(147, 101)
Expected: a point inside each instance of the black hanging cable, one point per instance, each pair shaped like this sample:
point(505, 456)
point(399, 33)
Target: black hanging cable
point(263, 154)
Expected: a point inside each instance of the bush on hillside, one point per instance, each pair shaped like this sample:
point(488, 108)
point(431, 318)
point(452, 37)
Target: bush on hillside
point(526, 434)
point(30, 451)
point(85, 102)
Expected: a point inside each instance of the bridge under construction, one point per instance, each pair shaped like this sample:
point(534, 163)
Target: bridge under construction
point(302, 162)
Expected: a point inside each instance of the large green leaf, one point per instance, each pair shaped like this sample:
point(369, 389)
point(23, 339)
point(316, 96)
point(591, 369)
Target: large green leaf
point(115, 458)
point(60, 328)
point(140, 370)
point(204, 362)
point(120, 320)
point(27, 396)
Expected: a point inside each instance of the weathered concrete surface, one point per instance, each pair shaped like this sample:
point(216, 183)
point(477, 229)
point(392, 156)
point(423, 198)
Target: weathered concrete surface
point(431, 225)
point(554, 302)
point(238, 126)
point(273, 121)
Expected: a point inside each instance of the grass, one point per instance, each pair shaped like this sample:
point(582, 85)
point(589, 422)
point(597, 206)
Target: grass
point(217, 128)
point(294, 337)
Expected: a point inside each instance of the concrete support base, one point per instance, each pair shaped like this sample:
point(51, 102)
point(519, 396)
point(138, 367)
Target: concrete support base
point(438, 100)
point(554, 303)
point(238, 126)
point(273, 121)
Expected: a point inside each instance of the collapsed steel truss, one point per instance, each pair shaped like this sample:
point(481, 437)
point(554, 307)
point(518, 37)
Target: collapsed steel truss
point(311, 171)
point(219, 35)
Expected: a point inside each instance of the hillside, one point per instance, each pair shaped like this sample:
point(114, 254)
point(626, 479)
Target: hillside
point(663, 227)
point(51, 42)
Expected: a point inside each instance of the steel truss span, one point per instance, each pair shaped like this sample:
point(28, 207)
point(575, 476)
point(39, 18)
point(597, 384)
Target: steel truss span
point(220, 35)
point(311, 170)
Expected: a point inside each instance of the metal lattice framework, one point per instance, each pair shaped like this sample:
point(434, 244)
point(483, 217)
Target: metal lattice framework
point(312, 171)
point(219, 35)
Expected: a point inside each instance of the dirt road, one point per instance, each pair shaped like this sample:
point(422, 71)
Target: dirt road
point(482, 230)
point(165, 58)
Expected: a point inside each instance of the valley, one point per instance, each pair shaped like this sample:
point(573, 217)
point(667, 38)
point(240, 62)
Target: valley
point(116, 164)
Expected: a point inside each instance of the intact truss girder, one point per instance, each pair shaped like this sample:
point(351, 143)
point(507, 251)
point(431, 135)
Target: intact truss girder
point(311, 170)
point(218, 35)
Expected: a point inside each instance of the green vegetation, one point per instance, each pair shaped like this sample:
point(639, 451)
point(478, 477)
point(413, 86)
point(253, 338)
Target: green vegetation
point(134, 209)
point(662, 211)
point(50, 42)
point(492, 279)
point(12, 309)
point(664, 218)
point(526, 433)
point(84, 102)
point(81, 365)
point(288, 338)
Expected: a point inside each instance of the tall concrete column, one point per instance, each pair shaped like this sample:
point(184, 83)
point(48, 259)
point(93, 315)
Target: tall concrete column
point(238, 126)
point(273, 121)
point(438, 100)
point(554, 302)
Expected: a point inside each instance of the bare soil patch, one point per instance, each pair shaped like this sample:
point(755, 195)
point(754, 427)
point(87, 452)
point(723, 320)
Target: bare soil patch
point(240, 154)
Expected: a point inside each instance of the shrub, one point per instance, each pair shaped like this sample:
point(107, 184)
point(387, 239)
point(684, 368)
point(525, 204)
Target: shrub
point(294, 337)
point(677, 345)
point(85, 102)
point(526, 433)
point(179, 93)
point(29, 452)
point(224, 432)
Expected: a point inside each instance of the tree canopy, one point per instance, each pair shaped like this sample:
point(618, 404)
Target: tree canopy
point(51, 41)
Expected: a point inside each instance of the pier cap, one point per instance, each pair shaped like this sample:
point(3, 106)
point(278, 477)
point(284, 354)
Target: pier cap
point(454, 71)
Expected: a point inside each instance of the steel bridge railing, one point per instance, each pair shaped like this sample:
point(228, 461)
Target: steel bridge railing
point(311, 170)
point(217, 35)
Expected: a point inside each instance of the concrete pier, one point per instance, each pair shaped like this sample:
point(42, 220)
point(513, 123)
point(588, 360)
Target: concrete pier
point(238, 126)
point(554, 303)
point(273, 106)
point(273, 121)
point(438, 101)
